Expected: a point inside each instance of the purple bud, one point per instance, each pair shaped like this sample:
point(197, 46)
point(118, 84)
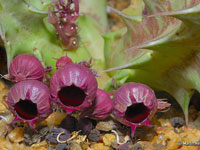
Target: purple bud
point(73, 87)
point(62, 61)
point(63, 17)
point(134, 104)
point(87, 64)
point(68, 9)
point(70, 29)
point(25, 67)
point(101, 107)
point(29, 101)
point(73, 42)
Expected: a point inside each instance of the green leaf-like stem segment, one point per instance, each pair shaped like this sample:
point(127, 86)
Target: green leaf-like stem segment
point(162, 50)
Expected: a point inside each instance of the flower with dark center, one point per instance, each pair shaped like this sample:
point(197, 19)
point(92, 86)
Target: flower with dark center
point(29, 101)
point(73, 87)
point(134, 104)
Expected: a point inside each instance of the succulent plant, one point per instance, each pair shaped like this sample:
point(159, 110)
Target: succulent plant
point(28, 31)
point(159, 45)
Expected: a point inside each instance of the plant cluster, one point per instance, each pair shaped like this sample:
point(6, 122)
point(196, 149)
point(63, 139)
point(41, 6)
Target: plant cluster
point(159, 47)
point(74, 88)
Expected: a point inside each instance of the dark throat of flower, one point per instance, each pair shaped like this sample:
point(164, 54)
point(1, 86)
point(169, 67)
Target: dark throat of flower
point(71, 96)
point(26, 109)
point(136, 113)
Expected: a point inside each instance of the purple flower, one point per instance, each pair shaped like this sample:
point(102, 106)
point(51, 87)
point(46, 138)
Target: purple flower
point(29, 101)
point(73, 87)
point(25, 67)
point(134, 104)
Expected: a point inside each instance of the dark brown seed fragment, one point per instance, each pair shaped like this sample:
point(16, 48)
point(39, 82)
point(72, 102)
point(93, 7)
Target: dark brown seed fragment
point(85, 125)
point(137, 146)
point(123, 147)
point(177, 122)
point(62, 147)
point(94, 135)
point(69, 123)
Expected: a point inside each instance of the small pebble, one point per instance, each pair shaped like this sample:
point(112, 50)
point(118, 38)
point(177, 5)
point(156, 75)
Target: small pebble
point(54, 119)
point(106, 125)
point(177, 122)
point(99, 146)
point(85, 125)
point(32, 137)
point(4, 128)
point(85, 145)
point(69, 123)
point(3, 108)
point(108, 138)
point(38, 146)
point(137, 146)
point(16, 135)
point(52, 138)
point(114, 144)
point(62, 147)
point(94, 135)
point(74, 146)
point(123, 147)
